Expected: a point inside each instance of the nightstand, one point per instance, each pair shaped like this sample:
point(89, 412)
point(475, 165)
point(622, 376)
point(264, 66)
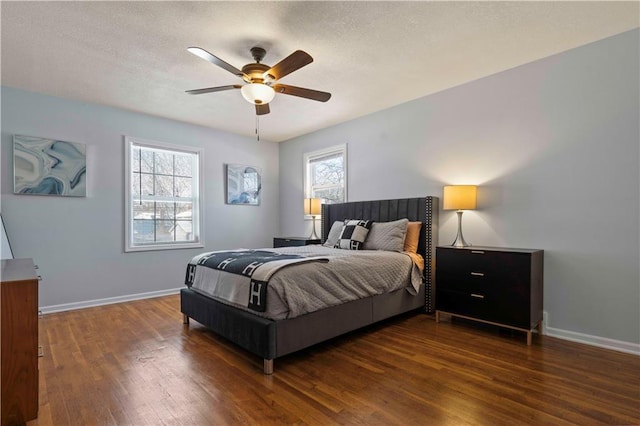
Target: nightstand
point(499, 286)
point(294, 241)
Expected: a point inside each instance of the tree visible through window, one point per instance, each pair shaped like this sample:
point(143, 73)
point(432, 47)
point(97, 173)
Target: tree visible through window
point(326, 173)
point(163, 200)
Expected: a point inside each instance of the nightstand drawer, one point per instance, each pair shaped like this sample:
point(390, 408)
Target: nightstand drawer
point(486, 306)
point(510, 284)
point(293, 241)
point(470, 268)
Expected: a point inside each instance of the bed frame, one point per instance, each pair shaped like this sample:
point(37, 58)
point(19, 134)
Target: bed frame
point(271, 339)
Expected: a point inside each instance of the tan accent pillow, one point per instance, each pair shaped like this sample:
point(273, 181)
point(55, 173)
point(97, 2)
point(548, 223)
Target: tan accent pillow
point(413, 236)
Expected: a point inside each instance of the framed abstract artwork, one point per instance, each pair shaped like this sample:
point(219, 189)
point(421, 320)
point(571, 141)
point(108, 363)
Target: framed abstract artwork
point(49, 167)
point(243, 185)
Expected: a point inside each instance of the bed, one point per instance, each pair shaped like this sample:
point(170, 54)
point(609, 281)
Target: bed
point(271, 339)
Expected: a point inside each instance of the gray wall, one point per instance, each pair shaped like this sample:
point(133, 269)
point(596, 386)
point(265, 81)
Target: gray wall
point(554, 147)
point(78, 242)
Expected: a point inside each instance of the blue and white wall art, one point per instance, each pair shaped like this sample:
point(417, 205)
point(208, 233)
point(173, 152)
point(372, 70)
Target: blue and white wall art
point(243, 185)
point(49, 167)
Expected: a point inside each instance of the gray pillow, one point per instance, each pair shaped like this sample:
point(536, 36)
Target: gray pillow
point(334, 234)
point(387, 236)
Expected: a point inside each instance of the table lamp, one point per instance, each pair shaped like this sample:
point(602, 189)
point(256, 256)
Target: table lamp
point(313, 207)
point(459, 197)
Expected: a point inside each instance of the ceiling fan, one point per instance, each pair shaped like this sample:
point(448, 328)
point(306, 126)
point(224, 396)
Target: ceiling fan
point(262, 80)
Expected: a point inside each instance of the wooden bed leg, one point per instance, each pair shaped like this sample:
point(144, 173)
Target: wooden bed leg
point(529, 338)
point(268, 366)
point(185, 319)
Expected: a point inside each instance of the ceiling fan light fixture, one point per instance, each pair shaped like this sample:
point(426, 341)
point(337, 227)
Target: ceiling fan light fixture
point(257, 93)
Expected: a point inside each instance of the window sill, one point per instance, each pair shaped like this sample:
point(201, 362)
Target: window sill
point(164, 247)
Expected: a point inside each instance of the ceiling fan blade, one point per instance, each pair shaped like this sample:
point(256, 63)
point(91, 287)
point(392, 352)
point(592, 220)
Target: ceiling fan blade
point(213, 89)
point(215, 60)
point(262, 109)
point(295, 61)
point(315, 95)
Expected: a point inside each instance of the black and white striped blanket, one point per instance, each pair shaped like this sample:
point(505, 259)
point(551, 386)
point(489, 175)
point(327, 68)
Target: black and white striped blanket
point(254, 266)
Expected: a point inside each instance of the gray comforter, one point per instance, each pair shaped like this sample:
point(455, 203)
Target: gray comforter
point(300, 289)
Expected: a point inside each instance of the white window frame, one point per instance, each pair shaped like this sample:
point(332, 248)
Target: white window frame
point(310, 156)
point(197, 193)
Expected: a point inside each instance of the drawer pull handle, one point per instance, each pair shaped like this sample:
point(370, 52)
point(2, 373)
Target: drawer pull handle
point(477, 252)
point(40, 351)
point(478, 274)
point(477, 296)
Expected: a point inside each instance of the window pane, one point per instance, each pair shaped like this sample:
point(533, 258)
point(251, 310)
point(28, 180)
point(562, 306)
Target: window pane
point(147, 184)
point(164, 163)
point(331, 195)
point(144, 210)
point(164, 230)
point(327, 172)
point(165, 211)
point(143, 231)
point(184, 211)
point(135, 159)
point(135, 184)
point(183, 187)
point(164, 186)
point(184, 230)
point(184, 165)
point(147, 161)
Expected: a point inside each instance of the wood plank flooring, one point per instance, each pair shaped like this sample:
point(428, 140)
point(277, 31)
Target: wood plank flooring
point(136, 364)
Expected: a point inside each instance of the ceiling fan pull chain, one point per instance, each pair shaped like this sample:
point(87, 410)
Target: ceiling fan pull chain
point(258, 128)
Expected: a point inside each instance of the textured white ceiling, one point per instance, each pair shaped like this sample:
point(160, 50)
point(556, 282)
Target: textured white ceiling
point(369, 55)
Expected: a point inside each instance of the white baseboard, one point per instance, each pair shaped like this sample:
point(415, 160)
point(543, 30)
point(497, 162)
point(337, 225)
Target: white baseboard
point(602, 342)
point(107, 301)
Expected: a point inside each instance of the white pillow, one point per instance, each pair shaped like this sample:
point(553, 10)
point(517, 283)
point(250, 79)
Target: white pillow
point(334, 234)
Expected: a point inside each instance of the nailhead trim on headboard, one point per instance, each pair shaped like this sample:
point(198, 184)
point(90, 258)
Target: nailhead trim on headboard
point(424, 209)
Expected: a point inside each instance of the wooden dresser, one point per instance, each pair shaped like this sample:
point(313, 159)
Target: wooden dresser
point(499, 286)
point(19, 341)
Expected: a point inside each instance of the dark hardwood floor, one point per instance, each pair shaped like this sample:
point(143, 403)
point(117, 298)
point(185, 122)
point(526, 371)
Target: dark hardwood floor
point(136, 364)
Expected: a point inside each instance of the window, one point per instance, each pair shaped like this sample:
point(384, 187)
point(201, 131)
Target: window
point(326, 174)
point(163, 196)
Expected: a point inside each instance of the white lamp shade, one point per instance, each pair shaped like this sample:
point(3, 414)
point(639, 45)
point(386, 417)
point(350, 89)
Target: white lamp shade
point(459, 197)
point(257, 93)
point(312, 206)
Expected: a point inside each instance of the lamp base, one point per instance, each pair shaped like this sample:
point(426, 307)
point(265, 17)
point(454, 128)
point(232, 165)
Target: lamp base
point(460, 241)
point(313, 235)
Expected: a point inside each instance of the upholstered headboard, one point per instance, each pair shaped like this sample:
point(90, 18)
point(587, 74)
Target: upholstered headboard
point(423, 209)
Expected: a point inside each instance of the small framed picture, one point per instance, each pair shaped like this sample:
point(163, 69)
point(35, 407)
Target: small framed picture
point(243, 185)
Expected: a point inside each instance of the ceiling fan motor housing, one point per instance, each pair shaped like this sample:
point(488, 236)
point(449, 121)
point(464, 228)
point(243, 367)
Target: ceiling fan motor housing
point(255, 72)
